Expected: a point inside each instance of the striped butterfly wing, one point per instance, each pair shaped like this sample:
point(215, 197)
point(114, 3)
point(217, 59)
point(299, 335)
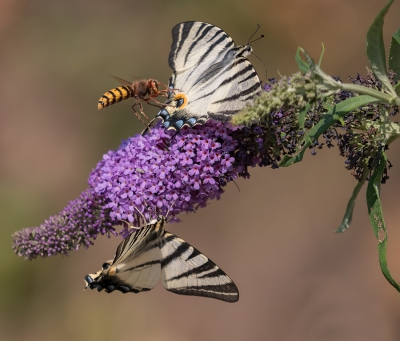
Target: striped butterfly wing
point(235, 92)
point(186, 271)
point(150, 253)
point(136, 266)
point(212, 77)
point(137, 274)
point(194, 43)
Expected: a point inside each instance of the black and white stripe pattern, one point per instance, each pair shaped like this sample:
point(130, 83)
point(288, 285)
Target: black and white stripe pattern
point(150, 253)
point(211, 71)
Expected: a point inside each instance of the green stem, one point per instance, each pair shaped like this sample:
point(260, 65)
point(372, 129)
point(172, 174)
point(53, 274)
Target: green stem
point(371, 92)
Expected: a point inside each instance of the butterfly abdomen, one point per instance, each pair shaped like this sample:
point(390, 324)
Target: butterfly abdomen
point(114, 96)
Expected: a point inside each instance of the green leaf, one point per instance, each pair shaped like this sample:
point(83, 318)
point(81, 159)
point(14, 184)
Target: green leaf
point(397, 88)
point(373, 198)
point(322, 54)
point(376, 49)
point(303, 66)
point(290, 160)
point(384, 266)
point(327, 120)
point(394, 56)
point(302, 115)
point(348, 216)
point(376, 218)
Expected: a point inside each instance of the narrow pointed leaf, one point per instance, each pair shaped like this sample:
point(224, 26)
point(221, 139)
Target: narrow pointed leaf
point(302, 115)
point(376, 49)
point(376, 218)
point(397, 88)
point(373, 198)
point(348, 216)
point(322, 54)
point(384, 266)
point(394, 56)
point(303, 66)
point(290, 160)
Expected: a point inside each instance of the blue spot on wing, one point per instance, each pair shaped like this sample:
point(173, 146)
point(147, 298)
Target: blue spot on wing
point(191, 121)
point(179, 124)
point(163, 114)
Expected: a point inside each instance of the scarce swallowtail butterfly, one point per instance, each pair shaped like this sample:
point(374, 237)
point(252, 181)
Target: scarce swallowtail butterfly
point(212, 77)
point(150, 253)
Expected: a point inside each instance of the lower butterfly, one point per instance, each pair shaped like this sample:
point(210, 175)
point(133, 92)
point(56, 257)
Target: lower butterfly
point(144, 90)
point(150, 253)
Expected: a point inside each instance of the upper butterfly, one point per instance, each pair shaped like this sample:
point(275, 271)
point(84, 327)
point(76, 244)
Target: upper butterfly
point(212, 77)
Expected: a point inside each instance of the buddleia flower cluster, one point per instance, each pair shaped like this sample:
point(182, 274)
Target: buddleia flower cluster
point(147, 175)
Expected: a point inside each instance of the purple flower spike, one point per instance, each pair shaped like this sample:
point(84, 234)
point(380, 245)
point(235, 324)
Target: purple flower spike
point(160, 172)
point(75, 226)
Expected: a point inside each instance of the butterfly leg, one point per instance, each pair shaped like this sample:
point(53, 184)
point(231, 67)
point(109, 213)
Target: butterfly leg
point(147, 129)
point(141, 215)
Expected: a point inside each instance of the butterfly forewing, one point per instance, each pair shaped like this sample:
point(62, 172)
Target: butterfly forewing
point(195, 42)
point(186, 271)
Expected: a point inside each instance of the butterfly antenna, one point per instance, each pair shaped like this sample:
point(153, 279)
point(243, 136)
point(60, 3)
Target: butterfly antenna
point(141, 214)
point(258, 27)
point(260, 37)
point(266, 70)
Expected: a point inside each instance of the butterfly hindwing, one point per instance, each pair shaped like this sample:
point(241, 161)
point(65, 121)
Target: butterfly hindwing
point(150, 253)
point(142, 272)
point(138, 274)
point(186, 271)
point(136, 266)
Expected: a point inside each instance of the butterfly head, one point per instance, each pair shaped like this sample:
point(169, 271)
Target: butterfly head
point(94, 281)
point(244, 50)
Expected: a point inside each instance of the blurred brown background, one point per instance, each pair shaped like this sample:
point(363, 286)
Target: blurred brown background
point(297, 279)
